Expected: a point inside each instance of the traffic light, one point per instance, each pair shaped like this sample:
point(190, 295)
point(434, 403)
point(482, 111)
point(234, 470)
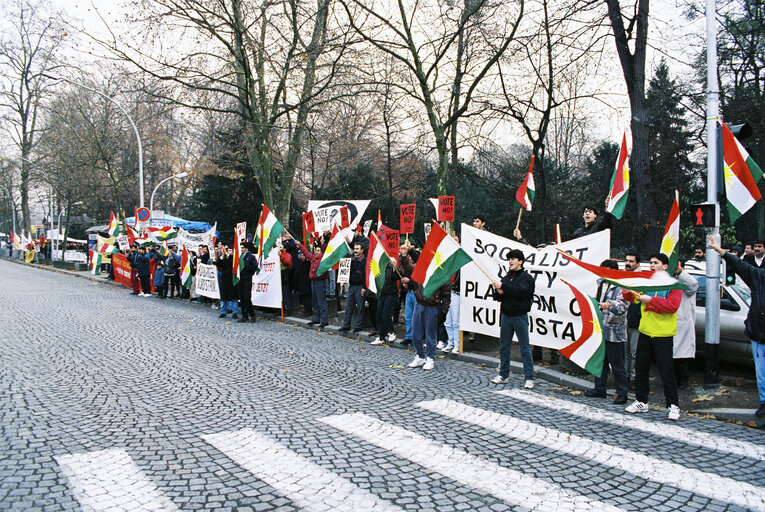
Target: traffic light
point(704, 215)
point(730, 274)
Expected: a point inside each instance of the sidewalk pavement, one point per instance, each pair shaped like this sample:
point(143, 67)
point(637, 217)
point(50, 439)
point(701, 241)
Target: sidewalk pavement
point(735, 401)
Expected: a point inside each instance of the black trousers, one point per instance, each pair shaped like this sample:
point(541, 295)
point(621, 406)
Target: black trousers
point(145, 283)
point(661, 349)
point(615, 360)
point(245, 298)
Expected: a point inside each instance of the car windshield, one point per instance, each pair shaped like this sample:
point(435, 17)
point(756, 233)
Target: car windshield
point(743, 291)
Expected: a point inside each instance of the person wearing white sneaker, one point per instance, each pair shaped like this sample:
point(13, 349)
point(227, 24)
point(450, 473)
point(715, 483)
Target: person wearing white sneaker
point(391, 337)
point(426, 316)
point(377, 341)
point(441, 345)
point(499, 379)
point(638, 406)
point(515, 292)
point(674, 413)
point(529, 384)
point(658, 326)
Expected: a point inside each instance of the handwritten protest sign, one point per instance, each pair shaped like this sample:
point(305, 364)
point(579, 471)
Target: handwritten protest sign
point(445, 210)
point(407, 218)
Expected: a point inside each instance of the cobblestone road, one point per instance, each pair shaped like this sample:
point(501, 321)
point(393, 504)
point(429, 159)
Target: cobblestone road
point(114, 402)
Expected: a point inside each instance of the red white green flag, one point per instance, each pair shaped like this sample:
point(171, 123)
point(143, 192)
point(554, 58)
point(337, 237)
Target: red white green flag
point(377, 261)
point(670, 242)
point(441, 257)
point(643, 281)
point(114, 225)
point(185, 268)
point(267, 233)
point(95, 262)
point(525, 194)
point(163, 233)
point(620, 182)
point(589, 350)
point(237, 264)
point(741, 175)
point(106, 245)
point(336, 248)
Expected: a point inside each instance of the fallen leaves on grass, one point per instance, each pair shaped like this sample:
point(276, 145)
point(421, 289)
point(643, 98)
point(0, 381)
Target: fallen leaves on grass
point(703, 398)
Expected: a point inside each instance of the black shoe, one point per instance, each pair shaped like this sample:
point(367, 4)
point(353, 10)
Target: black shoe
point(761, 411)
point(406, 341)
point(356, 331)
point(222, 315)
point(242, 320)
point(313, 322)
point(234, 316)
point(252, 319)
point(344, 329)
point(594, 393)
point(323, 324)
point(620, 400)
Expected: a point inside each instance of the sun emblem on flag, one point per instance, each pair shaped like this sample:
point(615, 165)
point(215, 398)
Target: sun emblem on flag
point(375, 268)
point(596, 328)
point(438, 259)
point(668, 244)
point(728, 174)
point(626, 175)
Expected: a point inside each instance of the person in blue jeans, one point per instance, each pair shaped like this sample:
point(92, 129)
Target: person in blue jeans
point(515, 292)
point(407, 249)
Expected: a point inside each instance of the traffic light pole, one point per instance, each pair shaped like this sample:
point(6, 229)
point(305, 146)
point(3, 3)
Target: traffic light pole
point(712, 320)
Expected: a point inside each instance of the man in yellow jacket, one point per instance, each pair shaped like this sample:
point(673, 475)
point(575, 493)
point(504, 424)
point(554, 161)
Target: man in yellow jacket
point(658, 326)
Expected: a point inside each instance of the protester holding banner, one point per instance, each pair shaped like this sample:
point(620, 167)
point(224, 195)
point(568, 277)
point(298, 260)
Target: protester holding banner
point(318, 286)
point(613, 310)
point(592, 222)
point(249, 267)
point(658, 325)
point(354, 299)
point(229, 293)
point(514, 292)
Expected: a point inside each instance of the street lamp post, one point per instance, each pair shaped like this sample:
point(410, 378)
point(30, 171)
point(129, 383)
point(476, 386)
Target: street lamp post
point(132, 123)
point(178, 176)
point(59, 225)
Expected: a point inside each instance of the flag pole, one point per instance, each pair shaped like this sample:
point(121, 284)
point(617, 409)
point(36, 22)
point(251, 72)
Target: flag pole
point(518, 224)
point(488, 276)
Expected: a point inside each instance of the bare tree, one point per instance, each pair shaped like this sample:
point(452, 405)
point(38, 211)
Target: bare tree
point(26, 54)
point(428, 38)
point(274, 59)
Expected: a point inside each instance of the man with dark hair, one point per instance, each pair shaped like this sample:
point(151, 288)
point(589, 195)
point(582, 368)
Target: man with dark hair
point(479, 221)
point(249, 267)
point(658, 325)
point(755, 319)
point(592, 222)
point(748, 249)
point(354, 299)
point(757, 258)
point(515, 292)
point(698, 254)
point(632, 263)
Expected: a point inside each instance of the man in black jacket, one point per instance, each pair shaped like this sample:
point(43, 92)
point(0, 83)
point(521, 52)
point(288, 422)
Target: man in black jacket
point(249, 266)
point(755, 320)
point(757, 258)
point(592, 222)
point(354, 299)
point(515, 293)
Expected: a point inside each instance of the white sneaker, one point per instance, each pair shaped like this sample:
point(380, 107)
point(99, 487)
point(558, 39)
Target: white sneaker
point(417, 362)
point(638, 406)
point(448, 348)
point(499, 379)
point(440, 345)
point(456, 349)
point(391, 337)
point(529, 384)
point(674, 413)
point(377, 341)
point(429, 363)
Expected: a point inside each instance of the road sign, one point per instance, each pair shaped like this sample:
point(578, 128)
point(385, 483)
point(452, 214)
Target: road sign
point(704, 215)
point(143, 214)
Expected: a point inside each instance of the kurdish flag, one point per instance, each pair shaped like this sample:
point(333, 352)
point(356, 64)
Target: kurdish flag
point(741, 176)
point(646, 281)
point(237, 264)
point(163, 250)
point(670, 242)
point(185, 268)
point(95, 261)
point(589, 350)
point(620, 182)
point(268, 232)
point(377, 262)
point(106, 245)
point(525, 194)
point(114, 225)
point(163, 233)
point(337, 248)
point(441, 257)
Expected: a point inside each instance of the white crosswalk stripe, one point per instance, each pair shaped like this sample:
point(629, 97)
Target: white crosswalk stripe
point(702, 439)
point(305, 483)
point(109, 480)
point(650, 468)
point(504, 483)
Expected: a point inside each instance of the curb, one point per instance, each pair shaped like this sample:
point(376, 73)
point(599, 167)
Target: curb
point(744, 416)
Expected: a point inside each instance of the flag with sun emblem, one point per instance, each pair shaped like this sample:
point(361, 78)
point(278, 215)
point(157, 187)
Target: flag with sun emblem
point(741, 176)
point(267, 233)
point(441, 257)
point(670, 242)
point(589, 350)
point(620, 182)
point(377, 262)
